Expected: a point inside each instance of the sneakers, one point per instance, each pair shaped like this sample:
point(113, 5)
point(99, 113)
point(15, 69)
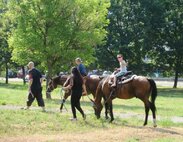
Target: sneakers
point(73, 119)
point(43, 109)
point(25, 108)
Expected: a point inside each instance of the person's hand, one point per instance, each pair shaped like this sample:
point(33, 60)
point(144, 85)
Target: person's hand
point(84, 93)
point(69, 87)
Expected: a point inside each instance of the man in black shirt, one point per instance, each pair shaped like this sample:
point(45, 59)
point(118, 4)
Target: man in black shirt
point(35, 87)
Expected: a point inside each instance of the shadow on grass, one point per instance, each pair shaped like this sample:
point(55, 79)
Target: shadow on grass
point(170, 92)
point(13, 86)
point(161, 130)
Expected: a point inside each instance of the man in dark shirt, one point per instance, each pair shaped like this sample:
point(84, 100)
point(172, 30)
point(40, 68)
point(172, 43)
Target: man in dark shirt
point(82, 71)
point(80, 67)
point(35, 86)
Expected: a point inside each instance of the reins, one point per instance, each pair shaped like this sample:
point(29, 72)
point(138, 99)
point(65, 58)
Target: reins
point(108, 97)
point(61, 96)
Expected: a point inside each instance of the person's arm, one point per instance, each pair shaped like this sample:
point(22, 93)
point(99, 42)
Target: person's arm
point(66, 82)
point(69, 86)
point(82, 69)
point(124, 63)
point(84, 89)
point(30, 82)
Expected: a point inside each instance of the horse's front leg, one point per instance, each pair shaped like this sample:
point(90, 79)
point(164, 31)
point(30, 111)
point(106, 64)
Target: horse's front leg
point(62, 104)
point(111, 111)
point(66, 95)
point(106, 111)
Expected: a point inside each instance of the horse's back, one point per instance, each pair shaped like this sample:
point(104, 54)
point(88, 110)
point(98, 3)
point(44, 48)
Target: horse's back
point(141, 86)
point(138, 87)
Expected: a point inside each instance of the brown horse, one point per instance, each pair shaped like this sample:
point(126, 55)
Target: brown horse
point(90, 82)
point(139, 87)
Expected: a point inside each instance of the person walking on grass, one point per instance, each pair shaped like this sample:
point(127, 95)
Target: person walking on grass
point(35, 87)
point(76, 84)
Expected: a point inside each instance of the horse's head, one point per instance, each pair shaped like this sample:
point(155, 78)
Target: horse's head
point(97, 109)
point(51, 86)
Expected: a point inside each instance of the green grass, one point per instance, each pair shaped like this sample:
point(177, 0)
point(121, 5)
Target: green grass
point(33, 122)
point(167, 140)
point(15, 122)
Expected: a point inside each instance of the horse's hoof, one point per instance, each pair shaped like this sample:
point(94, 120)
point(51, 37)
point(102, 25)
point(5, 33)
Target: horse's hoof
point(155, 126)
point(111, 121)
point(145, 124)
point(60, 111)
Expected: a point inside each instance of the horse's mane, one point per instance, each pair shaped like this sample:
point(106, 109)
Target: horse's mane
point(57, 78)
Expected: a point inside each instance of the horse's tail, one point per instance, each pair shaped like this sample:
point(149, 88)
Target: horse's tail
point(154, 91)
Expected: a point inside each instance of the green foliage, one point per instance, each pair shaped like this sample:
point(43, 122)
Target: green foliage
point(140, 29)
point(53, 33)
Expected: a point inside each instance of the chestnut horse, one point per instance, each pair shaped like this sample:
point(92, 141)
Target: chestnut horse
point(90, 82)
point(139, 87)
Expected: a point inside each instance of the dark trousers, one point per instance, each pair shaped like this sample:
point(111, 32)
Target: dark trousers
point(75, 102)
point(36, 94)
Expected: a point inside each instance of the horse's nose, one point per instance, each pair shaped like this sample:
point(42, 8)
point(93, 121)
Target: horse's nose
point(48, 90)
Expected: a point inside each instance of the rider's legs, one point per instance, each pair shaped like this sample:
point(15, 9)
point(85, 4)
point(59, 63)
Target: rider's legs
point(114, 81)
point(115, 78)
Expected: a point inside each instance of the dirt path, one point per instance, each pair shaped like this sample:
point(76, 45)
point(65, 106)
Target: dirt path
point(175, 119)
point(126, 133)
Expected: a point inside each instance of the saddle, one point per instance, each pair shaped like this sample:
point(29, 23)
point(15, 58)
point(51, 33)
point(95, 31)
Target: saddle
point(124, 77)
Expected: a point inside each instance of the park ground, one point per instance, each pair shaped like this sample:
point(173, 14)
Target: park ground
point(17, 125)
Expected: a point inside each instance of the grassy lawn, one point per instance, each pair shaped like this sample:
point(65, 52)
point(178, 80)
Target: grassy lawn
point(16, 122)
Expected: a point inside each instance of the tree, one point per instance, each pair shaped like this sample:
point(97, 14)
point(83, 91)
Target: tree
point(52, 33)
point(5, 51)
point(172, 36)
point(126, 33)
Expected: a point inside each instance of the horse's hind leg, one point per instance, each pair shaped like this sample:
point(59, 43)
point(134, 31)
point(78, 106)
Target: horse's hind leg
point(147, 106)
point(153, 109)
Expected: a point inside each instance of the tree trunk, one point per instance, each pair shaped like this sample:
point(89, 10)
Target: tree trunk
point(176, 79)
point(48, 95)
point(6, 64)
point(23, 71)
point(48, 76)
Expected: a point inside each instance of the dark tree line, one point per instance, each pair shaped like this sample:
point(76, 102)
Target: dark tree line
point(141, 29)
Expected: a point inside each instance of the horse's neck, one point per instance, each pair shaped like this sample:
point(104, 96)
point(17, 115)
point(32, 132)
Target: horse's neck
point(98, 95)
point(91, 84)
point(62, 80)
